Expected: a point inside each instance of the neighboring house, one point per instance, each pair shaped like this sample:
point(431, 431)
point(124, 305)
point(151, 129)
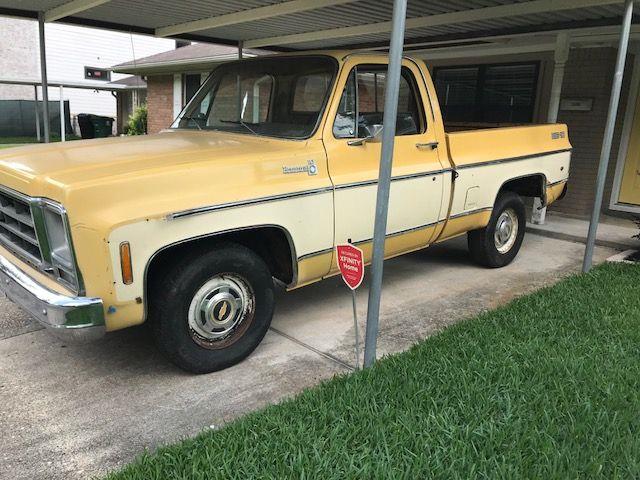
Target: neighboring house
point(74, 55)
point(173, 77)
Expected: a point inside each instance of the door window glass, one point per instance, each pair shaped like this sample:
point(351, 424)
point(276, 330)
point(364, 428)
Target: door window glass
point(362, 104)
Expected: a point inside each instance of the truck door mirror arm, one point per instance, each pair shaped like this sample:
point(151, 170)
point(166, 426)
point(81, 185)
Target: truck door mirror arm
point(374, 135)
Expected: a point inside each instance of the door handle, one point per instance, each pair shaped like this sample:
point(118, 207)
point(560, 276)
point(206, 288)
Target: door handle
point(430, 145)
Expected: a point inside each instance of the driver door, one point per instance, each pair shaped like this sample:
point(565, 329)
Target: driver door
point(417, 178)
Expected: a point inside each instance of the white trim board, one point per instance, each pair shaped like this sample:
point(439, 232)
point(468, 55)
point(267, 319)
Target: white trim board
point(178, 95)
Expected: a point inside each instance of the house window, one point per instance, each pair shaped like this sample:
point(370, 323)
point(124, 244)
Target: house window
point(487, 94)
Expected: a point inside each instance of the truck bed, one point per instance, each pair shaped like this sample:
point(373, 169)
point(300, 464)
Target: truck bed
point(471, 147)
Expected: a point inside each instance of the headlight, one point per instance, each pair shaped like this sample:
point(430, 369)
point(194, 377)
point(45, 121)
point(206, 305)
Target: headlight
point(57, 236)
point(59, 249)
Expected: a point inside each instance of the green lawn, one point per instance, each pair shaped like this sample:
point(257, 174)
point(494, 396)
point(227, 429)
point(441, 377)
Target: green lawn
point(545, 387)
point(8, 142)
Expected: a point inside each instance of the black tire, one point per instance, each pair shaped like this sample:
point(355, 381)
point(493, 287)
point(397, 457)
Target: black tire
point(483, 244)
point(175, 293)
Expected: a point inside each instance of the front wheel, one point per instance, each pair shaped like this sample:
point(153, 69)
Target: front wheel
point(498, 243)
point(210, 310)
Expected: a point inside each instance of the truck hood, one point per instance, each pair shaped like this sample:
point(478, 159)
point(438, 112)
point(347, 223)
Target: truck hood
point(153, 175)
point(40, 169)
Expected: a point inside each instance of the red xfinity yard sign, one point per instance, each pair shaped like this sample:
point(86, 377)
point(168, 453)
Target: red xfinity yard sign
point(351, 264)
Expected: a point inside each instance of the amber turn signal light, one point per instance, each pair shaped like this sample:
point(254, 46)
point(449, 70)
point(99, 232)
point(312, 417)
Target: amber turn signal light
point(125, 263)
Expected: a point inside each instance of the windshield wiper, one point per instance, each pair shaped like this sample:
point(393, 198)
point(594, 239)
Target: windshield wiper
point(240, 122)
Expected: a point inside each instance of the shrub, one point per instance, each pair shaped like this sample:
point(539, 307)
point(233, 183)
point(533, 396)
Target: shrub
point(138, 121)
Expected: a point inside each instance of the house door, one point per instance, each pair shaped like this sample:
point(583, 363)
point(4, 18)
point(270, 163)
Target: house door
point(630, 186)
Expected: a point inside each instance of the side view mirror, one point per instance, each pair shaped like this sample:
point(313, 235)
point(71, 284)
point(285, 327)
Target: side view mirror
point(374, 135)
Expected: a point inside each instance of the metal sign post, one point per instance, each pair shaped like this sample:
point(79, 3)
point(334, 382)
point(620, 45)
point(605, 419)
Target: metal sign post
point(351, 264)
point(384, 177)
point(355, 327)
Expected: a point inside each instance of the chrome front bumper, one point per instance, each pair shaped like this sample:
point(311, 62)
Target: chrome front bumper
point(72, 318)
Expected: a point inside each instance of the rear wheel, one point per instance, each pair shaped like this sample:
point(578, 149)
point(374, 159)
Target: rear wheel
point(498, 243)
point(210, 310)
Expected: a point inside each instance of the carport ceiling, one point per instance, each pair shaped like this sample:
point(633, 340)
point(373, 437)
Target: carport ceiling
point(314, 24)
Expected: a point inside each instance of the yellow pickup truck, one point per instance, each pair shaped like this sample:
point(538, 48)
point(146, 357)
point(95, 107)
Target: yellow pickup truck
point(271, 164)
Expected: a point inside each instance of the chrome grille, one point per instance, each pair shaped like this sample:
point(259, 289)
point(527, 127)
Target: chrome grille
point(17, 230)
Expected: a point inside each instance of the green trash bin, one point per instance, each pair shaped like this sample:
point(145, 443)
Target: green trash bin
point(102, 126)
point(94, 126)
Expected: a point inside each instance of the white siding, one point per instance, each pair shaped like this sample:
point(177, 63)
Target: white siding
point(71, 48)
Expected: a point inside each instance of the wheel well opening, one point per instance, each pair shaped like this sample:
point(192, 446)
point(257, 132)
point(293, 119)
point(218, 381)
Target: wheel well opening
point(529, 186)
point(272, 244)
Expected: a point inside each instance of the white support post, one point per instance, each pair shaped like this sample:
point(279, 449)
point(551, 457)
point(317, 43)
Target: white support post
point(561, 55)
point(178, 95)
point(63, 125)
point(35, 94)
point(608, 134)
point(384, 177)
point(43, 74)
point(256, 103)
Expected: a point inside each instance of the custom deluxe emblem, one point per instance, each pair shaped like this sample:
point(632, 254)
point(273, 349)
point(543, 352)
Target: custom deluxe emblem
point(310, 168)
point(557, 135)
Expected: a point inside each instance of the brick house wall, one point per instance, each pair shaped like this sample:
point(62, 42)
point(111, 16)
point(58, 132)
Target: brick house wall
point(589, 74)
point(19, 56)
point(159, 102)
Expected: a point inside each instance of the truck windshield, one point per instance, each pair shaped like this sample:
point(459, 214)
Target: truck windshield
point(276, 97)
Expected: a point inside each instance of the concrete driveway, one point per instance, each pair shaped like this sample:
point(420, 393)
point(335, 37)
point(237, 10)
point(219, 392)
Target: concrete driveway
point(77, 411)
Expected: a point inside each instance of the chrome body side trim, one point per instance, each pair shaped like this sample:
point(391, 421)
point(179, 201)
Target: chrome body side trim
point(315, 254)
point(73, 318)
point(511, 159)
point(285, 196)
point(470, 212)
point(359, 242)
point(242, 203)
point(409, 176)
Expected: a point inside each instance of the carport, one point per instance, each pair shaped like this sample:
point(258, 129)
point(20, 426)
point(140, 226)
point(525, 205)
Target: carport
point(362, 24)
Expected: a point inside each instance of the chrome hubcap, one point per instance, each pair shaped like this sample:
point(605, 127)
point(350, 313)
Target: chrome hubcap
point(506, 231)
point(219, 307)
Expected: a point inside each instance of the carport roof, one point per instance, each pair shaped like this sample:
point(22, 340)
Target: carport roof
point(313, 24)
